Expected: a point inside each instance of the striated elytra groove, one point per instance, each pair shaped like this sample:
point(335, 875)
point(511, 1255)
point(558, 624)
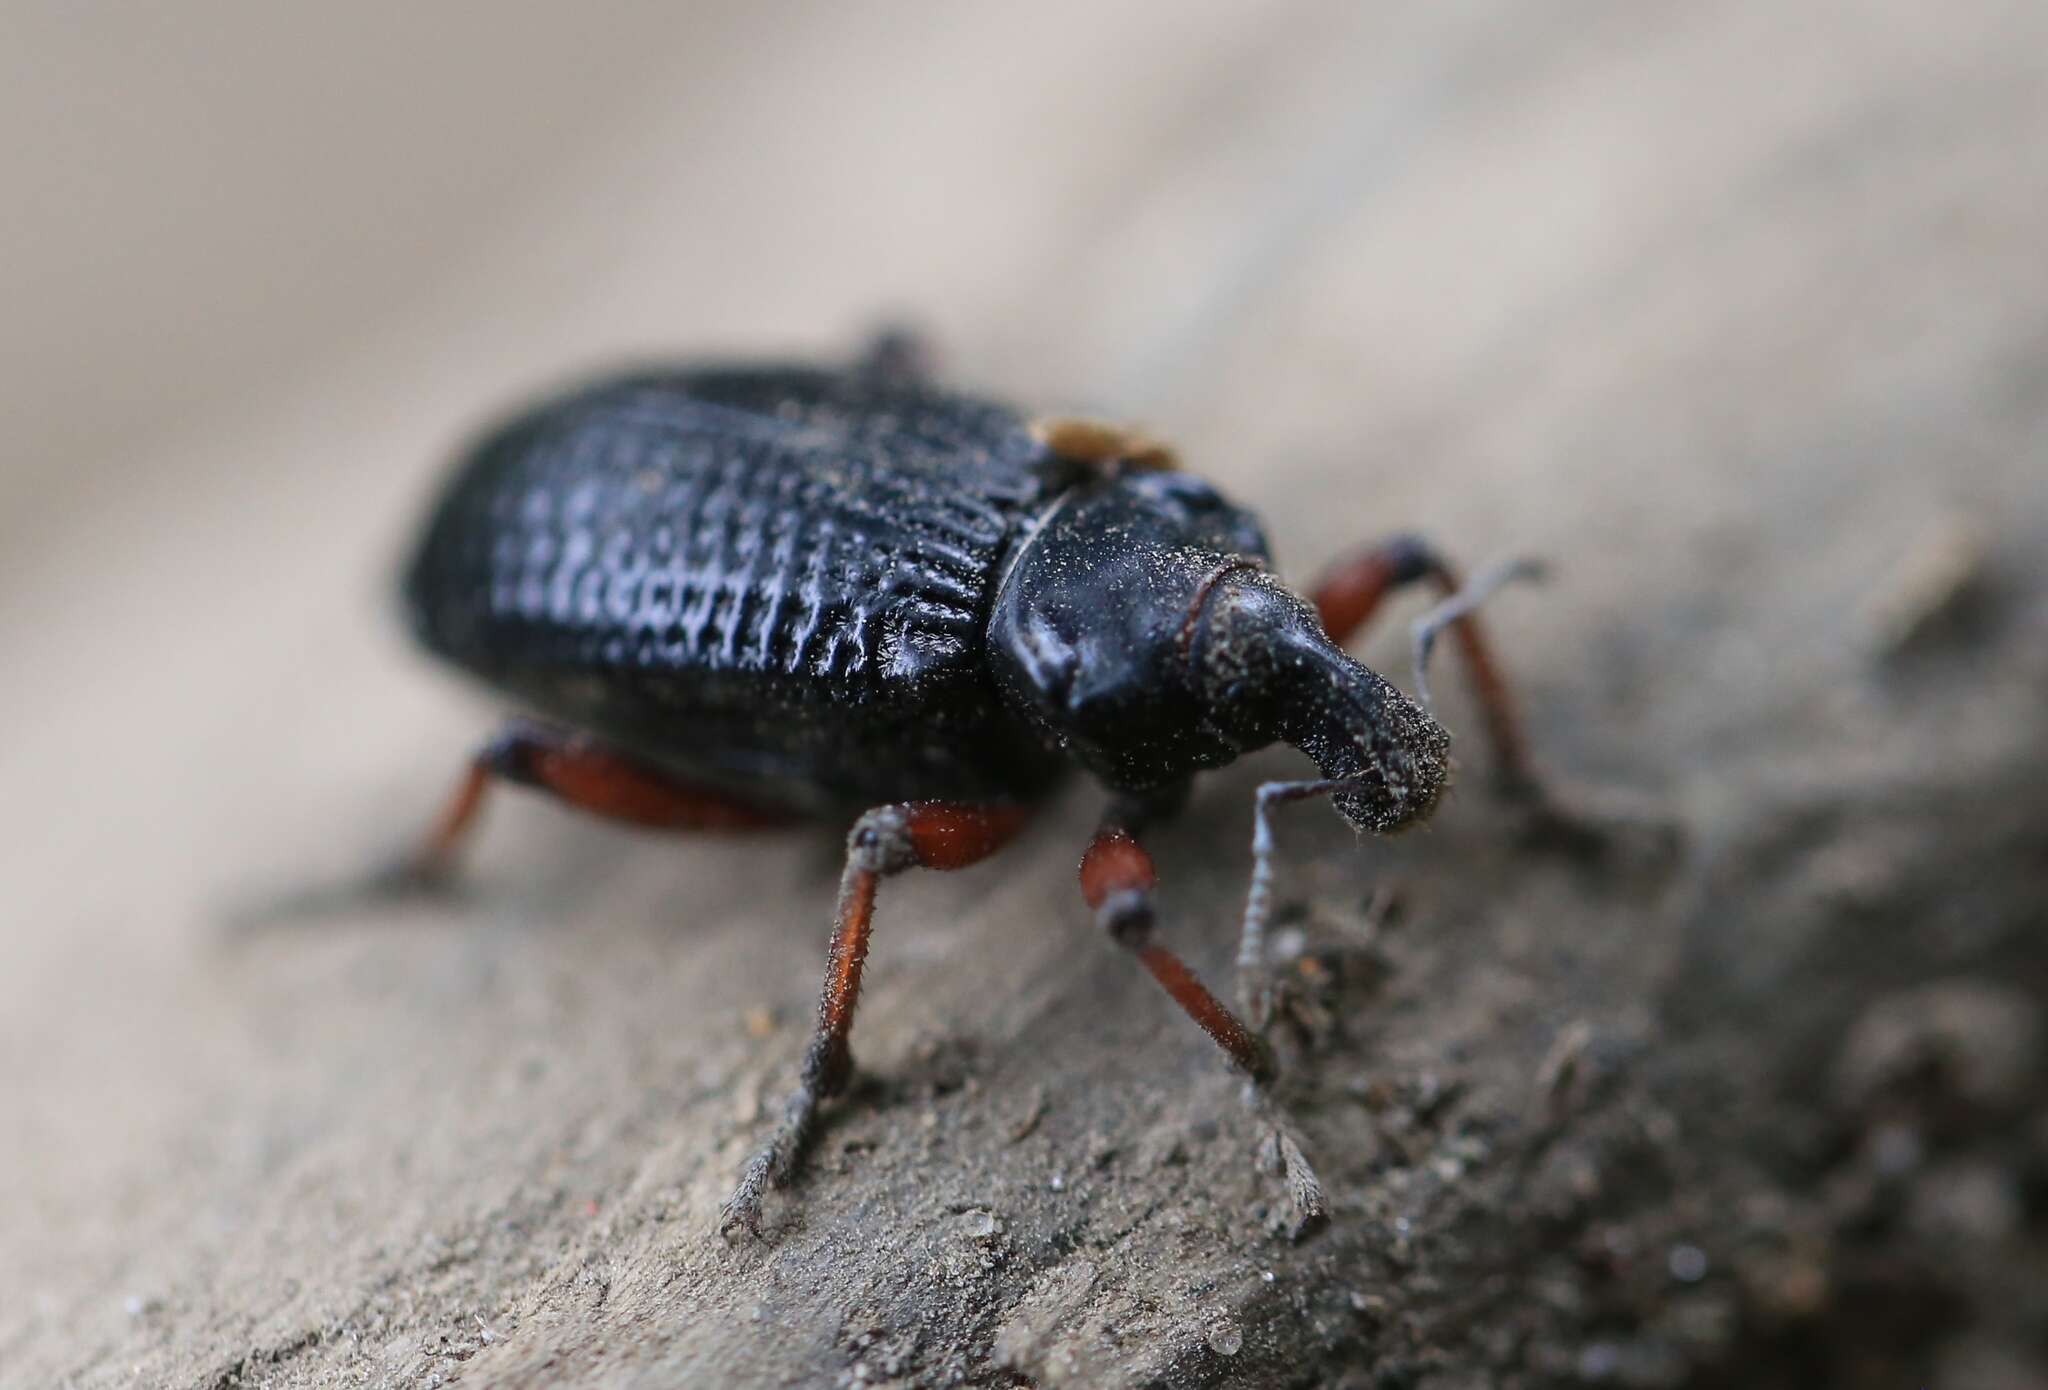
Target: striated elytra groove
point(671, 560)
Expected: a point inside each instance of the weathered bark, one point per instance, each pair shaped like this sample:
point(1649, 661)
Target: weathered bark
point(1736, 317)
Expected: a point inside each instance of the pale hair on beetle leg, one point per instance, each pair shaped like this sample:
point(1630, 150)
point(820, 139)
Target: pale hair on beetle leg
point(1254, 986)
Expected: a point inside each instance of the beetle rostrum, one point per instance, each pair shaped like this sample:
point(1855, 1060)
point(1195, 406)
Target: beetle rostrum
point(1139, 628)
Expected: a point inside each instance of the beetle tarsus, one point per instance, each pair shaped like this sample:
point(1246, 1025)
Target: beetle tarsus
point(772, 1164)
point(1280, 1153)
point(1458, 607)
point(884, 841)
point(1257, 984)
point(410, 876)
point(403, 880)
point(1117, 880)
point(1350, 594)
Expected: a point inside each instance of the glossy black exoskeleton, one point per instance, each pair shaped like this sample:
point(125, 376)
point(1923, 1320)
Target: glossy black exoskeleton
point(733, 595)
point(824, 591)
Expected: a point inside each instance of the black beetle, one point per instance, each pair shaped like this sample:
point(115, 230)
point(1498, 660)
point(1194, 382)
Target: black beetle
point(744, 594)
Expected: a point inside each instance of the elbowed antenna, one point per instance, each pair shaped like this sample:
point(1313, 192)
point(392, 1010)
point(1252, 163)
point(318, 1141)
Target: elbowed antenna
point(1268, 671)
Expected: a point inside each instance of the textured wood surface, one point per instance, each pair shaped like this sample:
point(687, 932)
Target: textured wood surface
point(1734, 312)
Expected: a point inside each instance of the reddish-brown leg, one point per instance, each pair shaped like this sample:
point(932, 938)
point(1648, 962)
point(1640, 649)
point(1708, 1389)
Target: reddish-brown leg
point(1350, 592)
point(1117, 881)
point(885, 841)
point(582, 773)
point(571, 768)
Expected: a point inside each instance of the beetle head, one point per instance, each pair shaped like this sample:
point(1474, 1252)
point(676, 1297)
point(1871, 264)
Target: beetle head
point(1140, 630)
point(1091, 628)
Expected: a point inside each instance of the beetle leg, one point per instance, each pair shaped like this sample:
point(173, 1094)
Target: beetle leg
point(884, 841)
point(898, 354)
point(569, 767)
point(1254, 968)
point(580, 772)
point(1462, 606)
point(1350, 592)
point(1117, 879)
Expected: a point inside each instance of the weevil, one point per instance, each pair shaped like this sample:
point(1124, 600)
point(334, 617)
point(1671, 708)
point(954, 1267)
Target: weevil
point(730, 596)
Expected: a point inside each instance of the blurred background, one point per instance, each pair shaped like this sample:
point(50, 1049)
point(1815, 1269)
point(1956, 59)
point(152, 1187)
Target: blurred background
point(1737, 312)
